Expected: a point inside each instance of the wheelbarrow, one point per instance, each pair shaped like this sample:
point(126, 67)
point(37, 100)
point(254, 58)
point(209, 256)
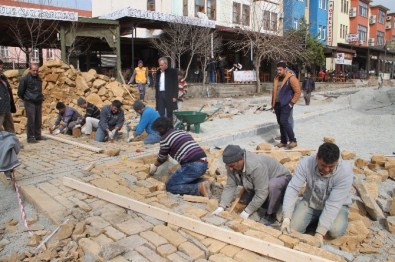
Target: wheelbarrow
point(188, 118)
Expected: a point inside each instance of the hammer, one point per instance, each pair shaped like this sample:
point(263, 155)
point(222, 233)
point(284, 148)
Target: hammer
point(237, 200)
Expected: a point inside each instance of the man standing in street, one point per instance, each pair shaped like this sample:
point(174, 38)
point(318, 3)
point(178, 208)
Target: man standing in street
point(111, 121)
point(147, 116)
point(263, 178)
point(193, 160)
point(92, 116)
point(69, 118)
point(166, 89)
point(7, 105)
point(326, 198)
point(286, 92)
point(308, 86)
point(30, 91)
point(140, 75)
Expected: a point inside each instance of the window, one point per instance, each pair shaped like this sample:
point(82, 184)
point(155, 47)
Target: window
point(4, 53)
point(341, 31)
point(323, 33)
point(381, 17)
point(151, 5)
point(319, 32)
point(211, 9)
point(296, 24)
point(346, 7)
point(199, 6)
point(363, 9)
point(380, 38)
point(362, 31)
point(185, 8)
point(50, 54)
point(307, 3)
point(323, 4)
point(266, 20)
point(236, 13)
point(342, 6)
point(273, 22)
point(246, 15)
point(35, 56)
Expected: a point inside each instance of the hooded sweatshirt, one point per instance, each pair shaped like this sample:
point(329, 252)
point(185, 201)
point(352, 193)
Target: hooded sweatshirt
point(327, 193)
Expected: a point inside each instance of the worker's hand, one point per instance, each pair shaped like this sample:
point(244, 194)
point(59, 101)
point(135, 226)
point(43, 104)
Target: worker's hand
point(320, 238)
point(286, 226)
point(55, 132)
point(77, 126)
point(218, 211)
point(152, 169)
point(111, 134)
point(244, 215)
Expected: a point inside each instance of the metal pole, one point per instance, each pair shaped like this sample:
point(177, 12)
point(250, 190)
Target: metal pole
point(212, 45)
point(133, 46)
point(385, 56)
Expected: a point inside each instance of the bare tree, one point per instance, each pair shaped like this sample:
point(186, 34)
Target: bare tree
point(265, 40)
point(78, 45)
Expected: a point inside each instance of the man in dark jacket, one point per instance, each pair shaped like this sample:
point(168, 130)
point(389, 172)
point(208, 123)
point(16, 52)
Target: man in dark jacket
point(308, 86)
point(69, 118)
point(111, 121)
point(7, 105)
point(30, 91)
point(91, 118)
point(166, 89)
point(286, 92)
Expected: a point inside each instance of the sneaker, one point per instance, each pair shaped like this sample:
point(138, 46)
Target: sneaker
point(32, 140)
point(204, 189)
point(8, 174)
point(280, 145)
point(268, 220)
point(292, 145)
point(41, 138)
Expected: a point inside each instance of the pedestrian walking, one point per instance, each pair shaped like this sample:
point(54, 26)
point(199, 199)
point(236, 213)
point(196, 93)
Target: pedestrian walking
point(308, 86)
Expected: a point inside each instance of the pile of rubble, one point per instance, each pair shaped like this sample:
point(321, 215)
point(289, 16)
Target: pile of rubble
point(62, 82)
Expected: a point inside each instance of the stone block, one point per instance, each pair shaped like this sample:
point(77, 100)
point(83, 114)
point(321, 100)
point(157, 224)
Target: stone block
point(194, 212)
point(237, 227)
point(65, 231)
point(389, 164)
point(289, 241)
point(213, 245)
point(134, 256)
point(384, 174)
point(214, 220)
point(95, 99)
point(196, 199)
point(172, 236)
point(348, 155)
point(260, 227)
point(132, 242)
point(264, 146)
point(221, 258)
point(149, 254)
point(111, 251)
point(378, 159)
point(318, 252)
point(360, 163)
point(97, 221)
point(390, 223)
point(103, 240)
point(391, 173)
point(90, 248)
point(305, 238)
point(370, 204)
point(246, 255)
point(134, 226)
point(263, 236)
point(230, 250)
point(113, 233)
point(328, 139)
point(154, 238)
point(191, 250)
point(212, 204)
point(166, 249)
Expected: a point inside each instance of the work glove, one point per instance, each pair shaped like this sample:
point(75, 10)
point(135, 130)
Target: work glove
point(218, 211)
point(111, 134)
point(319, 238)
point(244, 215)
point(286, 226)
point(77, 126)
point(53, 127)
point(130, 139)
point(55, 132)
point(152, 169)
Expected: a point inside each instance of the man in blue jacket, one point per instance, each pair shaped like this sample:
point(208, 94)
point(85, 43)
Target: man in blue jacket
point(111, 121)
point(147, 116)
point(286, 92)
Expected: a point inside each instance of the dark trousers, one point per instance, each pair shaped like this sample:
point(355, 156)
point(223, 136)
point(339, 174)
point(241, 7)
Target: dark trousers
point(286, 131)
point(6, 122)
point(306, 96)
point(222, 75)
point(164, 109)
point(34, 118)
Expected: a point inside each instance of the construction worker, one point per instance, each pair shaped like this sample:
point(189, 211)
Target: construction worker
point(147, 116)
point(9, 149)
point(69, 118)
point(91, 118)
point(140, 75)
point(263, 178)
point(111, 121)
point(193, 160)
point(326, 198)
point(7, 105)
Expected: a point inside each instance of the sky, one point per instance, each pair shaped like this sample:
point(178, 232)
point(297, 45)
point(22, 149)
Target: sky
point(387, 3)
point(78, 4)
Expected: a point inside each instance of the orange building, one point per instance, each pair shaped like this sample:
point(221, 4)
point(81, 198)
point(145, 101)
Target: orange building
point(390, 27)
point(377, 18)
point(359, 20)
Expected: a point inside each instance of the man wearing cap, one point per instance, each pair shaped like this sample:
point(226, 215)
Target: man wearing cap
point(140, 75)
point(91, 118)
point(147, 116)
point(193, 160)
point(111, 121)
point(263, 178)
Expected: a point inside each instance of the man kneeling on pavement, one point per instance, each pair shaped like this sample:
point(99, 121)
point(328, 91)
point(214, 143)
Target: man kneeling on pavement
point(111, 121)
point(326, 197)
point(91, 118)
point(69, 118)
point(263, 178)
point(193, 160)
point(147, 117)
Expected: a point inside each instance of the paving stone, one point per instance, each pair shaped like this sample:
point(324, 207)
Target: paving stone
point(119, 259)
point(191, 250)
point(97, 221)
point(246, 255)
point(214, 246)
point(289, 241)
point(214, 220)
point(197, 199)
point(149, 254)
point(103, 240)
point(154, 238)
point(50, 189)
point(64, 201)
point(84, 206)
point(318, 252)
point(151, 220)
point(111, 250)
point(113, 233)
point(264, 237)
point(348, 256)
point(260, 227)
point(194, 212)
point(132, 242)
point(134, 256)
point(65, 231)
point(194, 234)
point(166, 249)
point(134, 226)
point(230, 250)
point(222, 258)
point(179, 257)
point(90, 247)
point(173, 237)
point(371, 206)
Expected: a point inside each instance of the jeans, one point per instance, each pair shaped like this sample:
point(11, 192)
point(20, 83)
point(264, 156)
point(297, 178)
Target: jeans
point(101, 135)
point(306, 96)
point(186, 179)
point(152, 139)
point(304, 215)
point(7, 122)
point(286, 131)
point(141, 89)
point(90, 123)
point(34, 119)
point(164, 109)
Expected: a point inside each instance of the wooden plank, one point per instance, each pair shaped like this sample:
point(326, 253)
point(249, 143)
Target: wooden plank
point(74, 143)
point(234, 238)
point(285, 150)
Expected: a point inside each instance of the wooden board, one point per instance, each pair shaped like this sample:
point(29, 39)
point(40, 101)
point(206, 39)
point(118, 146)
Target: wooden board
point(234, 238)
point(59, 139)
